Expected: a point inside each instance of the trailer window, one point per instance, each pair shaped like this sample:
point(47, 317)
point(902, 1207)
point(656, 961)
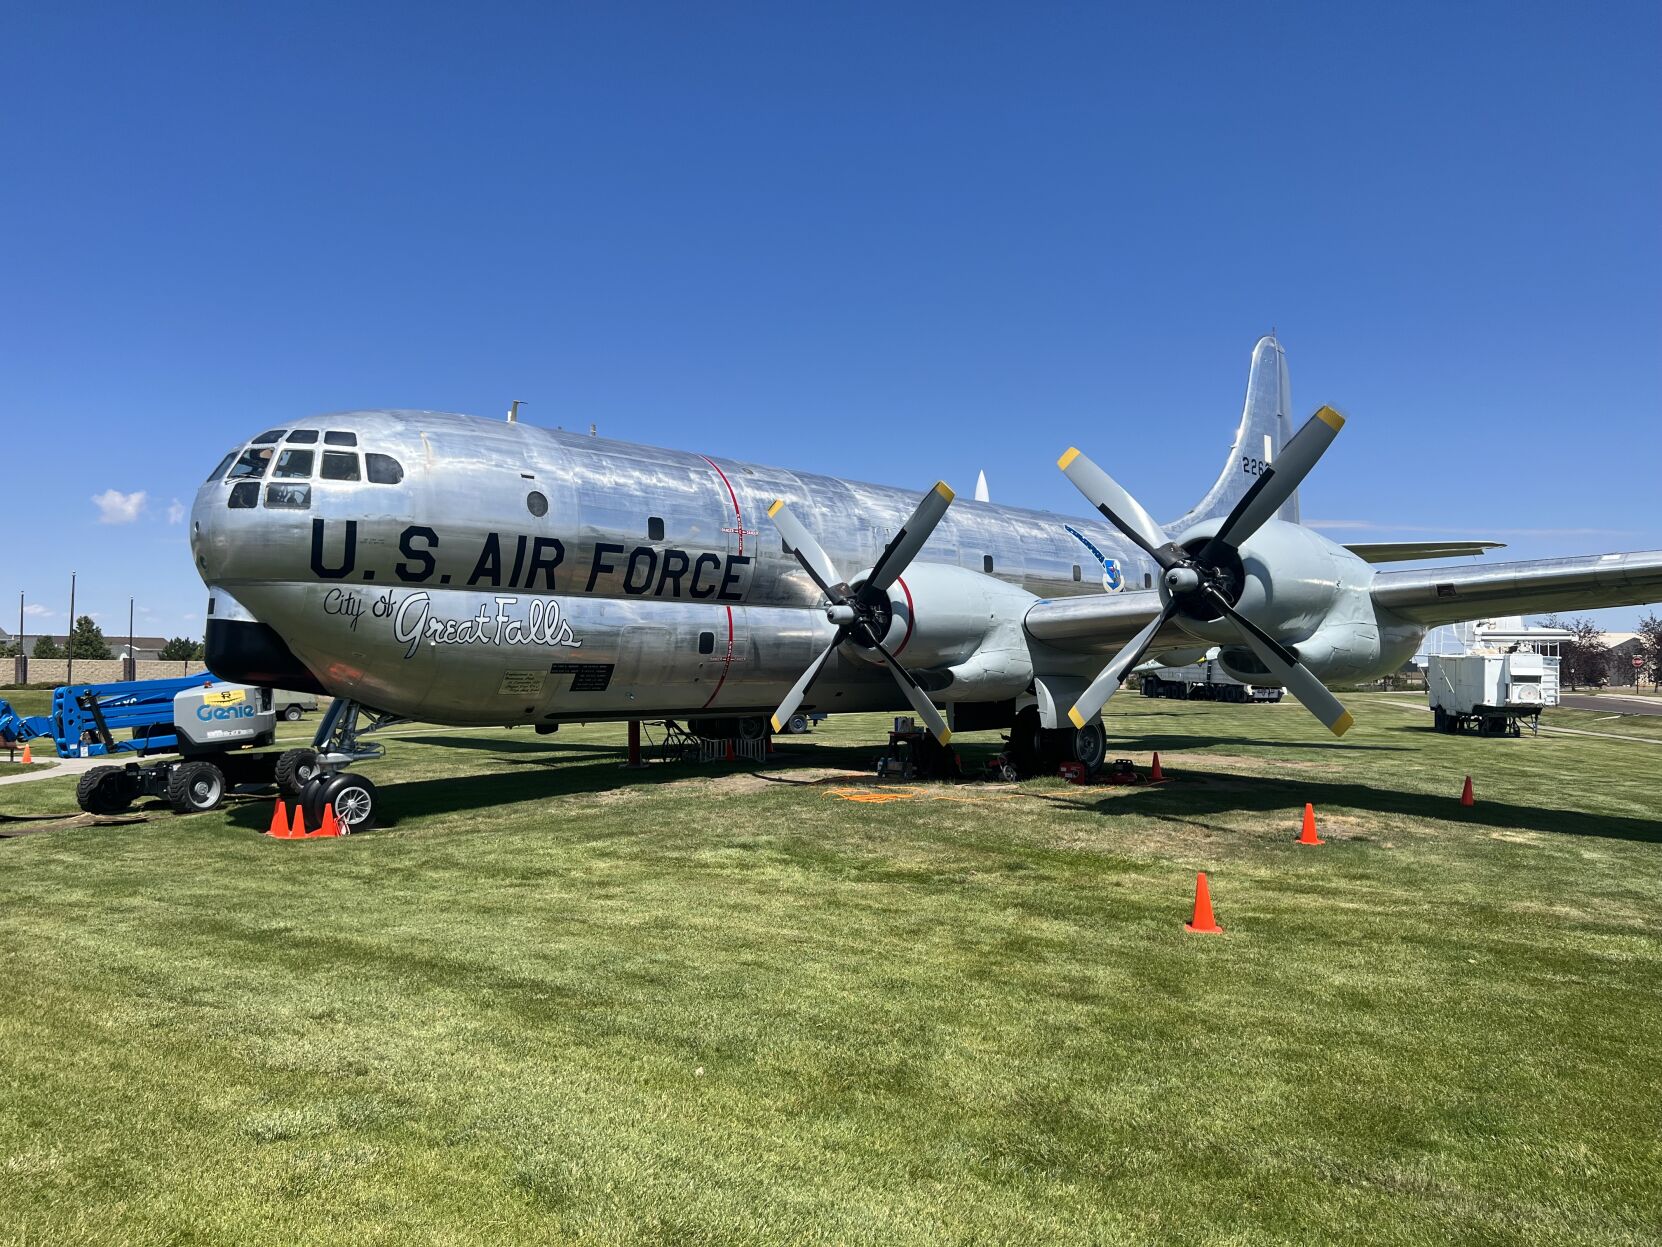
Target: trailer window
point(268, 437)
point(244, 494)
point(252, 463)
point(293, 463)
point(336, 438)
point(304, 437)
point(288, 497)
point(223, 464)
point(339, 465)
point(383, 469)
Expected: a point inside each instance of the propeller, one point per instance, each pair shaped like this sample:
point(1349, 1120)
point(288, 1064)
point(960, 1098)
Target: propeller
point(862, 612)
point(1199, 584)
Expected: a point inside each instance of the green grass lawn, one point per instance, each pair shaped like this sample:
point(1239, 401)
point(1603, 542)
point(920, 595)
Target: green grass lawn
point(557, 1002)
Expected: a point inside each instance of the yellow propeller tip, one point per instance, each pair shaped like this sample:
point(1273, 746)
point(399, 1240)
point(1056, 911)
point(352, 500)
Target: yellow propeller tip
point(1331, 418)
point(774, 509)
point(1069, 457)
point(946, 736)
point(1077, 718)
point(777, 725)
point(944, 490)
point(1343, 724)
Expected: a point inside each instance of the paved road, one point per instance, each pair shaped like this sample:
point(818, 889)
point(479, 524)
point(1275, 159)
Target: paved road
point(1612, 703)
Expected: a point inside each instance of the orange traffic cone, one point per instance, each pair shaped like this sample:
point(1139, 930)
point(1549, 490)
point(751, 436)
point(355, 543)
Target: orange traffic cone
point(1203, 923)
point(298, 830)
point(279, 828)
point(28, 755)
point(1308, 835)
point(1155, 774)
point(330, 826)
point(731, 754)
point(1466, 797)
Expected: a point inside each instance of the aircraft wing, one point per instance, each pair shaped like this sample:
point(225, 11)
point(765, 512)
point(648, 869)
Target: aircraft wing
point(1439, 595)
point(1408, 551)
point(1100, 623)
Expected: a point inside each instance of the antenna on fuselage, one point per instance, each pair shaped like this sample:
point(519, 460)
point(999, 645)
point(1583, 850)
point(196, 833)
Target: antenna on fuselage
point(513, 411)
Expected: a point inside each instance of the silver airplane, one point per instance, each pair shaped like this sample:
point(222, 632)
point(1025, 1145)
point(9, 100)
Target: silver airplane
point(464, 571)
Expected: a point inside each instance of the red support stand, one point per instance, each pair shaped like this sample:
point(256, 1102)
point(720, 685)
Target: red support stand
point(634, 763)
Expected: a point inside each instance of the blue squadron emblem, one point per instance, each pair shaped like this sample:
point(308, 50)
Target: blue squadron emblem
point(1113, 579)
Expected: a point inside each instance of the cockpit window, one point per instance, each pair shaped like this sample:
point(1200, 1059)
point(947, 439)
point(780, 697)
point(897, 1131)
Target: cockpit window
point(383, 469)
point(336, 438)
point(244, 494)
point(304, 437)
point(293, 463)
point(268, 437)
point(288, 497)
point(339, 465)
point(252, 463)
point(223, 464)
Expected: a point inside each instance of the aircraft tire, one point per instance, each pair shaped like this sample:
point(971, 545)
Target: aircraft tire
point(295, 769)
point(195, 787)
point(102, 790)
point(353, 797)
point(1028, 751)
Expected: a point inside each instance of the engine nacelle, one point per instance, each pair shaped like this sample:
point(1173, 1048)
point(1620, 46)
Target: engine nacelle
point(959, 632)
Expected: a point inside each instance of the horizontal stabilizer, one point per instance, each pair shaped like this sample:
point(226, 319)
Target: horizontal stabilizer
point(1437, 595)
point(1407, 551)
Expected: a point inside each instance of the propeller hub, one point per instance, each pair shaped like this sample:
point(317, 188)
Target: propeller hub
point(1182, 580)
point(840, 613)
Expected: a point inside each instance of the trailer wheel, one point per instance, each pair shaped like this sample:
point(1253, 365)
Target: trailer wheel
point(295, 768)
point(352, 796)
point(103, 790)
point(292, 714)
point(797, 725)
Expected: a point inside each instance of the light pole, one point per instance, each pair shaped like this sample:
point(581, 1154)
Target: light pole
point(69, 640)
point(132, 654)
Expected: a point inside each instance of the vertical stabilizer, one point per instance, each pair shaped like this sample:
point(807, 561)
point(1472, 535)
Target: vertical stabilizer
point(1266, 425)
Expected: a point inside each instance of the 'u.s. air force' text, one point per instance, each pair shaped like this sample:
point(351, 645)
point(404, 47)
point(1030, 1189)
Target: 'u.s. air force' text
point(519, 561)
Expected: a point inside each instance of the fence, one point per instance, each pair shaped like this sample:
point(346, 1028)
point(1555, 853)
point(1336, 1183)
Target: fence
point(100, 670)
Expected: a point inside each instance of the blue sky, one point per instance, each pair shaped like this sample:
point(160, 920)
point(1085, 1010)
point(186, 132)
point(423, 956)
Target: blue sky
point(893, 242)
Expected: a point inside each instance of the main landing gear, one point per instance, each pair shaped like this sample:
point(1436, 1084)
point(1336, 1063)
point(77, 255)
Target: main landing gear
point(1037, 750)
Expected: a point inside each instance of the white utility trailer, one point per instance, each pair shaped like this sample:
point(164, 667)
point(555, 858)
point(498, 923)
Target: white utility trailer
point(1492, 693)
point(1205, 680)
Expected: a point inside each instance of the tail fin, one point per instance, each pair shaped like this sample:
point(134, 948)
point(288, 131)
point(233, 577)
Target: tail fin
point(1266, 424)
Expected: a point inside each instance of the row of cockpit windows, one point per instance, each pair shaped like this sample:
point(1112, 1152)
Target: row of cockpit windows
point(296, 462)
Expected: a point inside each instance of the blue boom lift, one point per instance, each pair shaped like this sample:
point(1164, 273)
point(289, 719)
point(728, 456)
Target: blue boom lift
point(204, 721)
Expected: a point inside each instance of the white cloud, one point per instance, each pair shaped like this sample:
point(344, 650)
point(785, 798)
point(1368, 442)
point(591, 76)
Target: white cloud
point(115, 507)
point(34, 610)
point(175, 512)
point(1451, 531)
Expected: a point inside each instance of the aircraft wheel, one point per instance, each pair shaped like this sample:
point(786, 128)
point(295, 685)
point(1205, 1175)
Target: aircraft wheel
point(754, 727)
point(103, 790)
point(195, 787)
point(1089, 745)
point(352, 796)
point(1027, 752)
point(295, 769)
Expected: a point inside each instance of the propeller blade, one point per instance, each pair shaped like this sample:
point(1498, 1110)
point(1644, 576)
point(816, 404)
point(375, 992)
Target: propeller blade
point(915, 694)
point(809, 552)
point(1276, 483)
point(799, 690)
point(1301, 682)
point(1119, 508)
point(900, 551)
point(1094, 698)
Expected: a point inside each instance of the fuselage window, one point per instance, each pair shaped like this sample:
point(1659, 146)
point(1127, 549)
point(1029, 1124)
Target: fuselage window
point(1148, 581)
point(288, 497)
point(654, 528)
point(304, 437)
point(987, 564)
point(337, 438)
point(253, 462)
point(1076, 574)
point(383, 469)
point(292, 464)
point(268, 437)
point(244, 494)
point(706, 642)
point(536, 504)
point(339, 466)
point(223, 464)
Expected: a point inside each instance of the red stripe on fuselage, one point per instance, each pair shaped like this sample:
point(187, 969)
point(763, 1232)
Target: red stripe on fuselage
point(726, 665)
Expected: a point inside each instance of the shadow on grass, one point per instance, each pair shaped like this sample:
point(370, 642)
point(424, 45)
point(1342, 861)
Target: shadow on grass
point(1234, 794)
point(1174, 743)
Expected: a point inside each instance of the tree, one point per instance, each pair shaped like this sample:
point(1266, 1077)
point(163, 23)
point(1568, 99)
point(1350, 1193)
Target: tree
point(46, 647)
point(1650, 648)
point(87, 640)
point(8, 649)
point(1586, 658)
point(180, 648)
